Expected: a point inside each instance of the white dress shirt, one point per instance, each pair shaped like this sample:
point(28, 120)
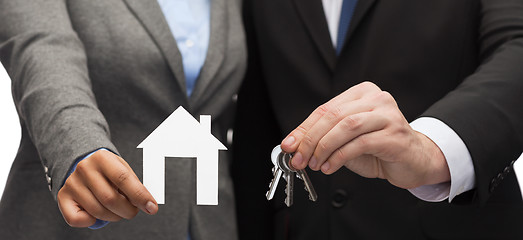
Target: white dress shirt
point(458, 157)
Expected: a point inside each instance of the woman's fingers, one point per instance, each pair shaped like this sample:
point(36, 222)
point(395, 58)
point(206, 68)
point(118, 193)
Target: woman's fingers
point(104, 187)
point(87, 201)
point(128, 183)
point(73, 214)
point(109, 196)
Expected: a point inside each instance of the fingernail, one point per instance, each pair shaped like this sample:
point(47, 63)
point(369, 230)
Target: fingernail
point(297, 160)
point(325, 167)
point(313, 162)
point(150, 207)
point(289, 141)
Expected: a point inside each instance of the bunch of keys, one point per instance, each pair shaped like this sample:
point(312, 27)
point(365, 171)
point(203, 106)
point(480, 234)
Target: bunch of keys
point(281, 161)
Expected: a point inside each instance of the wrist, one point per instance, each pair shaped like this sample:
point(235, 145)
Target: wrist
point(437, 168)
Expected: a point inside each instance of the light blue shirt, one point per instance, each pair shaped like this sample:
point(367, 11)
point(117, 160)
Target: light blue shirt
point(189, 21)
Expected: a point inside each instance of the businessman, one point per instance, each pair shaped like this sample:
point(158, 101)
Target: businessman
point(91, 80)
point(377, 97)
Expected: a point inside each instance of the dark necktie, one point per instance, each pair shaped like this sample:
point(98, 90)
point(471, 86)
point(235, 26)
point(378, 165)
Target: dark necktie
point(347, 10)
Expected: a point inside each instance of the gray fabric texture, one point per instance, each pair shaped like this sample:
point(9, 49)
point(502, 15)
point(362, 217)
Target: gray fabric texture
point(106, 73)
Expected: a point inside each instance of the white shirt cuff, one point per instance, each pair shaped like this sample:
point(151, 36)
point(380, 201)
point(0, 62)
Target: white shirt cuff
point(458, 158)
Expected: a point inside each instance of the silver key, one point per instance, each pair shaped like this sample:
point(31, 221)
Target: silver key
point(302, 174)
point(288, 174)
point(277, 173)
point(281, 162)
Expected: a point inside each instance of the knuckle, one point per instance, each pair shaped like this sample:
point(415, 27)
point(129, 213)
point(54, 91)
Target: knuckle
point(82, 167)
point(367, 84)
point(385, 97)
point(98, 211)
point(301, 130)
point(323, 146)
point(70, 183)
point(398, 121)
point(339, 156)
point(307, 140)
point(363, 142)
point(323, 109)
point(60, 194)
point(123, 177)
point(109, 199)
point(334, 113)
point(139, 194)
point(351, 123)
point(99, 154)
point(66, 187)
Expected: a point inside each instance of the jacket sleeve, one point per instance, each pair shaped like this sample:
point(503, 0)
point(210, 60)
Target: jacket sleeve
point(485, 110)
point(50, 84)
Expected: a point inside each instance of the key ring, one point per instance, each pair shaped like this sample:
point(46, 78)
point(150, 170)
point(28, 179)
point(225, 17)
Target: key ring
point(284, 160)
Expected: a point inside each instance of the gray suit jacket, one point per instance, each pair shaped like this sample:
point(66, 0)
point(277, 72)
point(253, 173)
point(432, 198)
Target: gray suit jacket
point(106, 73)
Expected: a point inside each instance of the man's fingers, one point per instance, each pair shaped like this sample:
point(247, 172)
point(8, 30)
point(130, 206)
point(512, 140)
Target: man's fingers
point(73, 214)
point(293, 141)
point(366, 165)
point(361, 145)
point(344, 132)
point(334, 114)
point(128, 183)
point(109, 197)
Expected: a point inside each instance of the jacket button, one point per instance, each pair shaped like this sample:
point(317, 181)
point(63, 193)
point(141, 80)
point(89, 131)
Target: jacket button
point(339, 199)
point(500, 176)
point(230, 136)
point(493, 185)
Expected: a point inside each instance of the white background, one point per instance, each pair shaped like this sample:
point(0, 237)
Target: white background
point(10, 133)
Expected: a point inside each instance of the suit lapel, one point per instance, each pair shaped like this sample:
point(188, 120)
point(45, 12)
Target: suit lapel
point(311, 13)
point(219, 29)
point(149, 13)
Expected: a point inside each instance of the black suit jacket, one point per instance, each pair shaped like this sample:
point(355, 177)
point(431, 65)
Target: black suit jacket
point(457, 61)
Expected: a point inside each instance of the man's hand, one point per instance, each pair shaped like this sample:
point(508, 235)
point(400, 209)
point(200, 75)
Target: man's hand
point(103, 186)
point(363, 129)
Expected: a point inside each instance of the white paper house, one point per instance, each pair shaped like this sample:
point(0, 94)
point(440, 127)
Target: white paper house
point(180, 135)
